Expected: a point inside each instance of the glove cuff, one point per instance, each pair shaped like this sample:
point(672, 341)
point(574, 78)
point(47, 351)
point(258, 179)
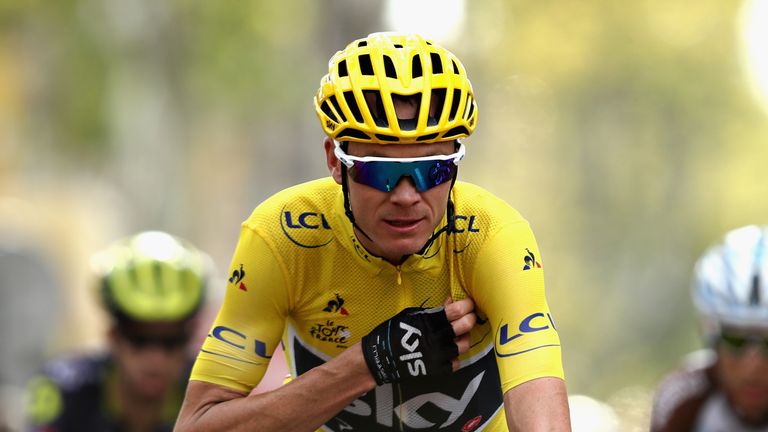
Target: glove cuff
point(377, 358)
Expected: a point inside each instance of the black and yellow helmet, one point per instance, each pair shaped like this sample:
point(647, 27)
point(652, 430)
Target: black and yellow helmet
point(355, 99)
point(152, 276)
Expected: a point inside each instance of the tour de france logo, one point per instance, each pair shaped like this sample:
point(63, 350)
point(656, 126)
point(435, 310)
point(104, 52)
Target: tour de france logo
point(329, 331)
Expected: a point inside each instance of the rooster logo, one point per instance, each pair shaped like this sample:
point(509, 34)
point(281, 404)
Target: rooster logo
point(336, 305)
point(237, 277)
point(530, 261)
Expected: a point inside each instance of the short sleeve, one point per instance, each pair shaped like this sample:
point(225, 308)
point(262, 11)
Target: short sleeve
point(508, 287)
point(249, 324)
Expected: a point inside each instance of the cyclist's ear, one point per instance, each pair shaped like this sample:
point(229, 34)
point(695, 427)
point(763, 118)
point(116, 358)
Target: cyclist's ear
point(333, 163)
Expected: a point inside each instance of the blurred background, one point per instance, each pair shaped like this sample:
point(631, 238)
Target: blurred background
point(631, 134)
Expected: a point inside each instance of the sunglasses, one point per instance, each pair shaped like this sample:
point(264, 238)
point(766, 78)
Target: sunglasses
point(169, 342)
point(739, 343)
point(384, 173)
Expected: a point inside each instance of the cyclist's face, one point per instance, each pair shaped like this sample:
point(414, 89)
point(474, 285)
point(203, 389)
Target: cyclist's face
point(150, 357)
point(401, 221)
point(743, 370)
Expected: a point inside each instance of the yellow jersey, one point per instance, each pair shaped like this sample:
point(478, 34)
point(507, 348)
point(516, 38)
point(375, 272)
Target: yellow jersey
point(300, 276)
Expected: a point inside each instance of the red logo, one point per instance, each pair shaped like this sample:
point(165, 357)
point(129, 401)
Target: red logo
point(472, 424)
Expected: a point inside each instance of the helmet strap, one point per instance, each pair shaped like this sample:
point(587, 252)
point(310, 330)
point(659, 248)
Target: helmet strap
point(345, 192)
point(450, 223)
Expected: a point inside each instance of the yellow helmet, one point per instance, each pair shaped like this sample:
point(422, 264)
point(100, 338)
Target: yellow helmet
point(152, 276)
point(355, 101)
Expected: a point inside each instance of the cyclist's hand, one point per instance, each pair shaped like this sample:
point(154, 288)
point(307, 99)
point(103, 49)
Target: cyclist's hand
point(462, 317)
point(417, 343)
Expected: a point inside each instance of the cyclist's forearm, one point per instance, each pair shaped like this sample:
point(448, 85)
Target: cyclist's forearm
point(302, 405)
point(538, 405)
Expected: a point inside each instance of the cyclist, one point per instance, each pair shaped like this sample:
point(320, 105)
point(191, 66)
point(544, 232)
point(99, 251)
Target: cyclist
point(725, 387)
point(371, 276)
point(153, 285)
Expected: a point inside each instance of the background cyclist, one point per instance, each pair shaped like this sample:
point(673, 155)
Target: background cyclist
point(725, 387)
point(153, 285)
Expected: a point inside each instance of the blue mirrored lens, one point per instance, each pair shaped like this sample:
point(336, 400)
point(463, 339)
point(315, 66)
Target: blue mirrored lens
point(384, 176)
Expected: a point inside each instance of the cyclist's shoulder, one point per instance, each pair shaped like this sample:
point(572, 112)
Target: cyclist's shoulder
point(73, 372)
point(473, 200)
point(65, 391)
point(475, 196)
point(682, 390)
point(313, 196)
point(693, 374)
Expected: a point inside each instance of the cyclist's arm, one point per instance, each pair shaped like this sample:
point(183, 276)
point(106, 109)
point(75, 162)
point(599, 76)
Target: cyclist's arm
point(305, 403)
point(538, 405)
point(507, 283)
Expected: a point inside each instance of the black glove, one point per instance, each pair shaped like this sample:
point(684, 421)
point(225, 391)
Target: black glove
point(415, 343)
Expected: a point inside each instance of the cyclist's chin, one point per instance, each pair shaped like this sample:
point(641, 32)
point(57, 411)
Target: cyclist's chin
point(393, 246)
point(752, 402)
point(394, 250)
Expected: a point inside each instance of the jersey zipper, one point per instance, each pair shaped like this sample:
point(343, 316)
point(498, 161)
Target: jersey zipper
point(399, 274)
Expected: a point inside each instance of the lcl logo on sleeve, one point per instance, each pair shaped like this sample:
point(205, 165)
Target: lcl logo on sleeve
point(533, 323)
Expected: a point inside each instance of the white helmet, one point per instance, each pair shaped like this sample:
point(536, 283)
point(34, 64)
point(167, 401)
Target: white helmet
point(729, 284)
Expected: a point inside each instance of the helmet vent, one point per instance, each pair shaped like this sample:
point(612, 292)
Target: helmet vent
point(376, 108)
point(416, 71)
point(454, 104)
point(327, 111)
point(365, 64)
point(471, 106)
point(387, 138)
point(455, 67)
point(343, 68)
point(754, 296)
point(437, 63)
point(407, 124)
point(362, 43)
point(389, 67)
point(338, 108)
point(398, 46)
point(438, 101)
point(427, 137)
point(353, 133)
point(349, 97)
point(459, 130)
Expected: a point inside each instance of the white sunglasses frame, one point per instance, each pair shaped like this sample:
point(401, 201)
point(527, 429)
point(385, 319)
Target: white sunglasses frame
point(349, 160)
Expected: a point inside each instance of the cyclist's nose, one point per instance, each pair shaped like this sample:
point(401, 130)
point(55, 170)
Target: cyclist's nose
point(405, 191)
